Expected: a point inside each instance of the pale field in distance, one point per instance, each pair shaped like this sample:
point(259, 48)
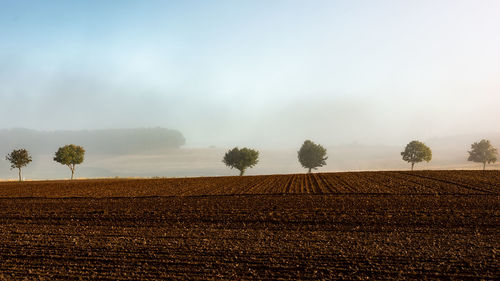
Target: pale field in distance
point(193, 162)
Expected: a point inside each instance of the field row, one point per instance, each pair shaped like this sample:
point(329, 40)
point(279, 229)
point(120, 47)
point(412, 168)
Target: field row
point(251, 237)
point(390, 182)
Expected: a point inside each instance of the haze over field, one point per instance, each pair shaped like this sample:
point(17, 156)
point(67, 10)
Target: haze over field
point(363, 78)
point(154, 155)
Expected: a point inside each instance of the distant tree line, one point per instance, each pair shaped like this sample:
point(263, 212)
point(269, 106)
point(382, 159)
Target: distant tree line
point(108, 141)
point(481, 152)
point(69, 155)
point(310, 155)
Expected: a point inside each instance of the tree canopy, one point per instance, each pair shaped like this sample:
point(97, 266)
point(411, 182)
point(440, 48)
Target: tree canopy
point(241, 159)
point(311, 155)
point(18, 159)
point(483, 152)
point(70, 155)
point(416, 152)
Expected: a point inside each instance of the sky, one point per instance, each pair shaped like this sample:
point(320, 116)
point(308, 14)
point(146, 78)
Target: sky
point(254, 73)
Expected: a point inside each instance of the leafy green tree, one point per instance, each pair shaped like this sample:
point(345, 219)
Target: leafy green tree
point(483, 152)
point(311, 155)
point(241, 159)
point(18, 159)
point(70, 155)
point(416, 152)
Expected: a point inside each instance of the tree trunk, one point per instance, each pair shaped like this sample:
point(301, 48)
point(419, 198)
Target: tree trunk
point(20, 177)
point(412, 164)
point(72, 171)
point(484, 165)
point(309, 171)
point(242, 172)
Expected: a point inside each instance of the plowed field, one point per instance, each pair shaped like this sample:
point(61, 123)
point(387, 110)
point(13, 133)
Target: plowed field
point(408, 183)
point(380, 225)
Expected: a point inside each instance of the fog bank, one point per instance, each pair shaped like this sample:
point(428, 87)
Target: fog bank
point(448, 153)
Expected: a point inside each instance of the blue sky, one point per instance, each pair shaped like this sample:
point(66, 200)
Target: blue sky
point(253, 72)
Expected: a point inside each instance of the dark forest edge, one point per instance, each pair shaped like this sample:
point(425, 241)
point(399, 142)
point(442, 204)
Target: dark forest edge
point(105, 141)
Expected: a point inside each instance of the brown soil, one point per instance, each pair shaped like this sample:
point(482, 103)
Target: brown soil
point(380, 225)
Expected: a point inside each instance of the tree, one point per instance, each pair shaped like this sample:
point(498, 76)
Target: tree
point(18, 159)
point(70, 155)
point(312, 156)
point(483, 152)
point(416, 152)
point(241, 159)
